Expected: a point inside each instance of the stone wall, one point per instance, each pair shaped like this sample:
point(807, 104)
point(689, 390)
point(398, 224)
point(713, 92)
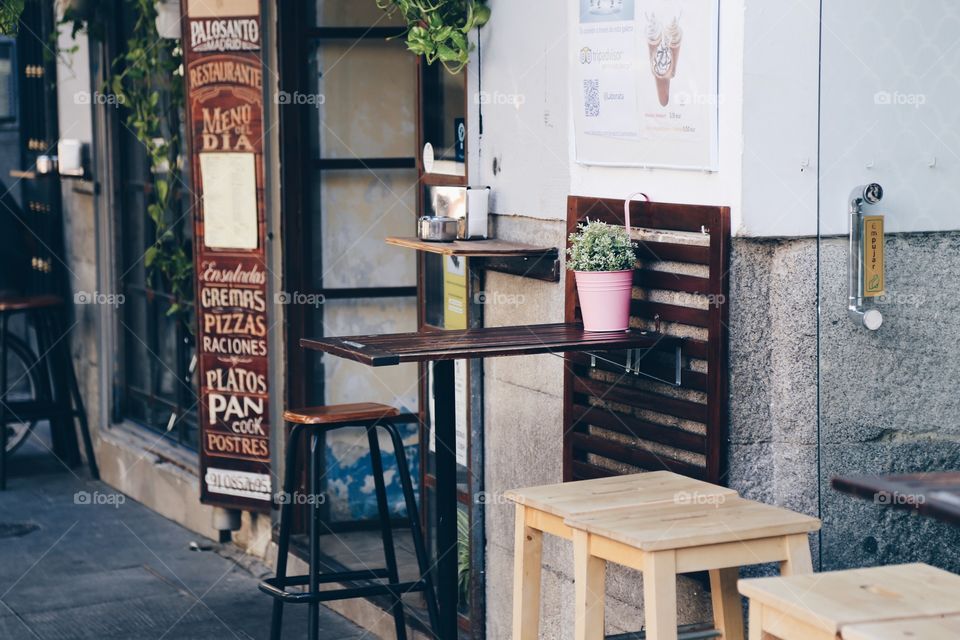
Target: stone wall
point(887, 403)
point(80, 244)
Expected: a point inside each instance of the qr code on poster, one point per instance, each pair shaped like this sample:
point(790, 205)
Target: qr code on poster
point(591, 98)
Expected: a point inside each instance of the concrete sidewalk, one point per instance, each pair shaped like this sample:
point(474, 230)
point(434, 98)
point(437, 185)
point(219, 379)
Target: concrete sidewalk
point(79, 561)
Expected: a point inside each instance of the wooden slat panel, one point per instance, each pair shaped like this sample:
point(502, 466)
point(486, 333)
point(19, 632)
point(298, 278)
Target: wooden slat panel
point(637, 457)
point(671, 313)
point(628, 425)
point(712, 224)
point(667, 216)
point(667, 281)
point(672, 252)
point(622, 394)
point(695, 348)
point(587, 471)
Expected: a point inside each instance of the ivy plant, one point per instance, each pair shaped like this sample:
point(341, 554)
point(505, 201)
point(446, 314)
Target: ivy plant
point(10, 11)
point(148, 81)
point(437, 29)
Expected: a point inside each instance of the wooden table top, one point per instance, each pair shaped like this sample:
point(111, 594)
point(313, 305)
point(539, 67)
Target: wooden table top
point(931, 494)
point(588, 496)
point(934, 628)
point(832, 600)
point(391, 349)
point(704, 519)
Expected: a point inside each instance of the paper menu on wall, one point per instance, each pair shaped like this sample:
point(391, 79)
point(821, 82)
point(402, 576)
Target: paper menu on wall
point(644, 83)
point(229, 200)
point(460, 393)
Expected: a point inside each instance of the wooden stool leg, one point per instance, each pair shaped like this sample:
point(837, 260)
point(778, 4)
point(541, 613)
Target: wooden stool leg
point(799, 561)
point(590, 586)
point(756, 622)
point(527, 556)
point(727, 612)
point(660, 595)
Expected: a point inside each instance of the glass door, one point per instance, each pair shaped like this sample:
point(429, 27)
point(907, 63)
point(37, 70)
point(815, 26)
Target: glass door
point(348, 104)
point(889, 344)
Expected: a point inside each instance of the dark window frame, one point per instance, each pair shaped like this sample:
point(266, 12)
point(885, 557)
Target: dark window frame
point(145, 405)
point(12, 121)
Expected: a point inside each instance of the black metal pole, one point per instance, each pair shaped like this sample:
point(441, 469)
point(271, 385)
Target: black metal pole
point(446, 464)
point(3, 401)
point(316, 451)
point(286, 516)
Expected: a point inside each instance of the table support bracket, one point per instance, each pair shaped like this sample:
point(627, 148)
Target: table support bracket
point(545, 266)
point(634, 358)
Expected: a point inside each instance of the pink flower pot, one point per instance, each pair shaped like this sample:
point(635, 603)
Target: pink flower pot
point(605, 299)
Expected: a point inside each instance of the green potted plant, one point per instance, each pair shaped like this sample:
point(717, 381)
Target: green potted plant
point(437, 29)
point(602, 259)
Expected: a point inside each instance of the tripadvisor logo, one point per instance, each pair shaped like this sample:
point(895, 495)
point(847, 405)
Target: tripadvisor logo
point(589, 56)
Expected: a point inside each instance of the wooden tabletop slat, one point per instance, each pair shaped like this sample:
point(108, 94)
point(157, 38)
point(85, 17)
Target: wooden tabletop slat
point(697, 520)
point(589, 496)
point(391, 349)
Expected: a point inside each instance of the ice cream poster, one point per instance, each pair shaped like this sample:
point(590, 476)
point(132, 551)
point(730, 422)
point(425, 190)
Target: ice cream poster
point(644, 83)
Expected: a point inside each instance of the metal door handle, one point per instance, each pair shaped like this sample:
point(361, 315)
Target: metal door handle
point(871, 319)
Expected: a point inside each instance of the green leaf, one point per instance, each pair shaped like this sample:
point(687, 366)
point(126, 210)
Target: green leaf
point(162, 188)
point(150, 255)
point(447, 54)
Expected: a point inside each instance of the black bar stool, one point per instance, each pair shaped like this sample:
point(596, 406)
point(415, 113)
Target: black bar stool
point(315, 421)
point(62, 400)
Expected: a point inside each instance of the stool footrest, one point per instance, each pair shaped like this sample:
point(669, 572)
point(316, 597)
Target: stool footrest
point(335, 576)
point(700, 631)
point(271, 588)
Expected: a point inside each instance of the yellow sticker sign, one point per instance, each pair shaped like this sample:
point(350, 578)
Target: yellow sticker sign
point(873, 280)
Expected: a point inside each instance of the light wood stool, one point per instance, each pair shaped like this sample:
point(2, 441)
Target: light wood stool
point(916, 629)
point(665, 540)
point(544, 508)
point(827, 605)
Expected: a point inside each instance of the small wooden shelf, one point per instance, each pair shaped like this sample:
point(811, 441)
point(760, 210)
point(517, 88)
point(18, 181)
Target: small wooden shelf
point(516, 258)
point(471, 248)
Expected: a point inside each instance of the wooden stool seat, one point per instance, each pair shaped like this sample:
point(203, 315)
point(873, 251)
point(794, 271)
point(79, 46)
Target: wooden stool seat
point(947, 628)
point(586, 496)
point(27, 303)
point(825, 605)
point(718, 534)
point(341, 413)
point(680, 525)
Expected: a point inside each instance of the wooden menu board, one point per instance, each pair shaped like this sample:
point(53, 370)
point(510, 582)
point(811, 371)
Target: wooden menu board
point(224, 89)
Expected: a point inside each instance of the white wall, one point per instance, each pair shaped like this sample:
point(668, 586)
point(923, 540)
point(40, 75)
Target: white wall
point(527, 127)
point(890, 88)
point(523, 70)
point(880, 107)
point(780, 77)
